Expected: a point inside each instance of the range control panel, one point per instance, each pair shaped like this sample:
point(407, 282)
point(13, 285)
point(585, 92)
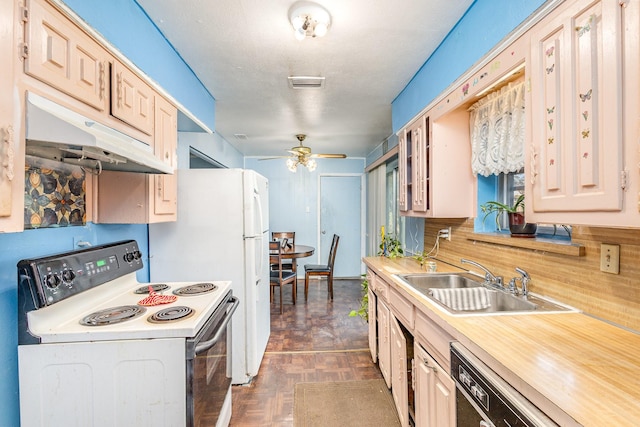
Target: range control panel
point(53, 278)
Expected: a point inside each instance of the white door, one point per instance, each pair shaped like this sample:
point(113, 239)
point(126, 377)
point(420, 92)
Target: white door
point(340, 213)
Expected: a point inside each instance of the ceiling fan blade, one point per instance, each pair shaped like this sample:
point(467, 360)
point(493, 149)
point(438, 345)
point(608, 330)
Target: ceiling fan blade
point(330, 156)
point(274, 158)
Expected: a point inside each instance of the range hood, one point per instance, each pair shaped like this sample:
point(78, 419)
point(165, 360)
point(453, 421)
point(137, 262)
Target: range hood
point(57, 133)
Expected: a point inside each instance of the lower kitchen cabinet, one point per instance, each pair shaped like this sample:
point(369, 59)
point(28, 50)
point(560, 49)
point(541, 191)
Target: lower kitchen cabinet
point(384, 342)
point(435, 392)
point(399, 370)
point(373, 324)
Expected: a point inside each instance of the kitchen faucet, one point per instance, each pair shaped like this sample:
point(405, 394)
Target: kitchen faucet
point(488, 276)
point(524, 278)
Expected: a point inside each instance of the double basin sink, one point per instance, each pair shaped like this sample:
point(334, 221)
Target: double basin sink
point(494, 300)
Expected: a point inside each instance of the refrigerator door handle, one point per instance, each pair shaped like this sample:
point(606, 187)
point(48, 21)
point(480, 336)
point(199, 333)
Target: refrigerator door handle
point(258, 202)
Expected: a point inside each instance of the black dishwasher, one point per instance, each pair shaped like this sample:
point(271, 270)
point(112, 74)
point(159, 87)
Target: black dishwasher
point(484, 399)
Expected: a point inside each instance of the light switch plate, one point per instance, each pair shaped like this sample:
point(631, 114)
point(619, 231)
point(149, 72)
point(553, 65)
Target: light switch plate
point(610, 258)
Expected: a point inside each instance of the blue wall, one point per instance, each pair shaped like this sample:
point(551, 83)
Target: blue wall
point(290, 194)
point(485, 24)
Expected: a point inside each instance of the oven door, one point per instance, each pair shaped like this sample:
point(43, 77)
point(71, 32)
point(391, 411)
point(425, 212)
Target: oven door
point(209, 366)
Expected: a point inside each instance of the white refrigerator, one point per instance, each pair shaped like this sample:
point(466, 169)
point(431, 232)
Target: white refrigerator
point(222, 233)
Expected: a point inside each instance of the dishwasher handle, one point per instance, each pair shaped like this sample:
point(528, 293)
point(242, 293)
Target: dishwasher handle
point(206, 345)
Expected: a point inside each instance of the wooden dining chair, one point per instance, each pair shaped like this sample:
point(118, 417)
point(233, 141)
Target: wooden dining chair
point(322, 270)
point(280, 236)
point(280, 277)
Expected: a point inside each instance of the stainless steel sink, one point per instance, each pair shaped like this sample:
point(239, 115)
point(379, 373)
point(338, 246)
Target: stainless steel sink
point(500, 301)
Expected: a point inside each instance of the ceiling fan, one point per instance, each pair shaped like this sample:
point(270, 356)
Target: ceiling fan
point(301, 155)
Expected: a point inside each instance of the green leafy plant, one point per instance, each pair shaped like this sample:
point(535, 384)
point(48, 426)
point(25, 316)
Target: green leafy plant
point(363, 311)
point(499, 208)
point(390, 247)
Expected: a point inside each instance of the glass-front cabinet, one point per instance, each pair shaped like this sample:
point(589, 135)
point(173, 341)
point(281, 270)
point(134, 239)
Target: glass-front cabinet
point(434, 166)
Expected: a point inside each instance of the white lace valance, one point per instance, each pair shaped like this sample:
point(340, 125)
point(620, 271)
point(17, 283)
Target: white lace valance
point(497, 131)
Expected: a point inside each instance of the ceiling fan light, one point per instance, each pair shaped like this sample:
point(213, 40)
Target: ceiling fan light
point(311, 165)
point(292, 165)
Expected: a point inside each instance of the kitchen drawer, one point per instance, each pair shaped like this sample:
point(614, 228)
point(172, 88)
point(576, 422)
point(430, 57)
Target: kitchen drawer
point(381, 288)
point(402, 308)
point(433, 338)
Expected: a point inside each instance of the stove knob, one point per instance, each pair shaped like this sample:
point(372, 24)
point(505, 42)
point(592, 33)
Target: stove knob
point(137, 255)
point(52, 280)
point(128, 257)
point(68, 276)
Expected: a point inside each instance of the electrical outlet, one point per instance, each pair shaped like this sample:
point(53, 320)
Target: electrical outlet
point(449, 233)
point(610, 258)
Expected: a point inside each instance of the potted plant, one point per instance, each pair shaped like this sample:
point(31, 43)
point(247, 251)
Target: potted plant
point(390, 247)
point(363, 311)
point(517, 224)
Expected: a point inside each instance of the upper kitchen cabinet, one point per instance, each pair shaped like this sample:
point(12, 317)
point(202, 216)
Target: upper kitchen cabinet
point(584, 106)
point(434, 167)
point(144, 198)
point(132, 99)
point(58, 53)
point(11, 151)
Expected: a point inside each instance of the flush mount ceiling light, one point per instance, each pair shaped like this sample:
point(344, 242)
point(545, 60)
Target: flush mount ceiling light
point(309, 19)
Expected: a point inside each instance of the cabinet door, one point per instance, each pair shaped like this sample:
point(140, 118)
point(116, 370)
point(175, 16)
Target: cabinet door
point(132, 99)
point(576, 101)
point(165, 187)
point(60, 54)
point(420, 172)
point(404, 163)
point(399, 380)
point(11, 148)
point(444, 399)
point(384, 342)
point(435, 392)
point(373, 332)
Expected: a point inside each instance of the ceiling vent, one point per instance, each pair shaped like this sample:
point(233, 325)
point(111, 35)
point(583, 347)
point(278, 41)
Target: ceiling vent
point(240, 136)
point(306, 82)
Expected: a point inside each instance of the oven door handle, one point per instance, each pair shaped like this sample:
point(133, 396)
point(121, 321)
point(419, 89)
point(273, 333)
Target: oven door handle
point(206, 345)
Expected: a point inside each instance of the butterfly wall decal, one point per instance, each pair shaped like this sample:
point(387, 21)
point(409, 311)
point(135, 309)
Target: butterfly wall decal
point(586, 96)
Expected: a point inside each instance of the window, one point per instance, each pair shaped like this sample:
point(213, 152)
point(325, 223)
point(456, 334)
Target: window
point(510, 187)
point(394, 222)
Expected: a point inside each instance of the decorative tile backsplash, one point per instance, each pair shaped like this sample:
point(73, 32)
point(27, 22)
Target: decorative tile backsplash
point(54, 198)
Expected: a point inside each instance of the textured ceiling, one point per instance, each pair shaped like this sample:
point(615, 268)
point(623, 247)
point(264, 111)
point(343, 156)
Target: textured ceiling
point(244, 50)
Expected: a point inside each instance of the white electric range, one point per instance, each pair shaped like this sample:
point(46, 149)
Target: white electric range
point(91, 354)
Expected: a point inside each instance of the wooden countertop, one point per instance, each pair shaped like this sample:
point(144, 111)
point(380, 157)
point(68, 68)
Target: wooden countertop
point(578, 369)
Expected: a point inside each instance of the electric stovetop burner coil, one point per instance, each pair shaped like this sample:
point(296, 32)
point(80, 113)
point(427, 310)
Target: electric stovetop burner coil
point(157, 287)
point(171, 314)
point(195, 289)
point(113, 315)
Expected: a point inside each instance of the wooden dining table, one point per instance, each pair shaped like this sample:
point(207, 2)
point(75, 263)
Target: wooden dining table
point(297, 251)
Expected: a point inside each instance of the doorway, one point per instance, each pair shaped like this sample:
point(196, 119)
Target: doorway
point(341, 213)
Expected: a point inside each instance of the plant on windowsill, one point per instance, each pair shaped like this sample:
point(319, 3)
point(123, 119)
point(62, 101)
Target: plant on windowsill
point(363, 311)
point(517, 224)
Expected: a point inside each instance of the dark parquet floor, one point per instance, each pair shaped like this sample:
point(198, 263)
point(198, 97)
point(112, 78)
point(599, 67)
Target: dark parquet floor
point(310, 342)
